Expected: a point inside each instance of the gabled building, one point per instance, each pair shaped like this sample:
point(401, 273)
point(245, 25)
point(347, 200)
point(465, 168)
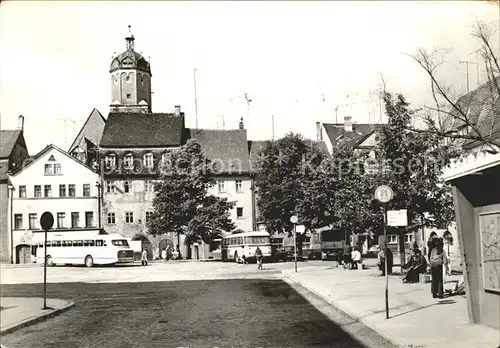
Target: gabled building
point(56, 182)
point(86, 144)
point(13, 153)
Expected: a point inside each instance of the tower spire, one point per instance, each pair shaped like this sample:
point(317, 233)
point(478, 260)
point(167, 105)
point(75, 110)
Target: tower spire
point(130, 39)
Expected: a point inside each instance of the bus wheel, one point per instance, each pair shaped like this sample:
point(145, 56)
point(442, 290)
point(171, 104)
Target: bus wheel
point(49, 261)
point(89, 261)
point(236, 257)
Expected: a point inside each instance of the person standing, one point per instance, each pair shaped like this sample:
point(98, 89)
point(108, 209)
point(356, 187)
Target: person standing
point(258, 256)
point(346, 257)
point(438, 259)
point(144, 258)
point(356, 258)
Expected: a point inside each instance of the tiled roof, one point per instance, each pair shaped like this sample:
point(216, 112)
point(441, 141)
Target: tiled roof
point(142, 130)
point(228, 148)
point(482, 107)
point(8, 139)
point(336, 133)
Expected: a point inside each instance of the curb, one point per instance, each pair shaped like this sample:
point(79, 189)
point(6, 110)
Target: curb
point(345, 310)
point(35, 320)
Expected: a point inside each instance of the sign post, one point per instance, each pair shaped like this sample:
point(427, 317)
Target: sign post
point(384, 194)
point(293, 220)
point(46, 221)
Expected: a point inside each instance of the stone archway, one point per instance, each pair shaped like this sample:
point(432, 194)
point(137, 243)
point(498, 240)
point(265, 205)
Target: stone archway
point(145, 244)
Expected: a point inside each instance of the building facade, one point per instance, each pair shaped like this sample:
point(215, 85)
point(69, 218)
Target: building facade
point(13, 153)
point(56, 182)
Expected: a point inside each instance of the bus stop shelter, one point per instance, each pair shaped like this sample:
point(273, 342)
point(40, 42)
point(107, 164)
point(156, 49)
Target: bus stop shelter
point(476, 194)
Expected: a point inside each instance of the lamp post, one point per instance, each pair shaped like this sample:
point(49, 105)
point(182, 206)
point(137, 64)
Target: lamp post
point(293, 220)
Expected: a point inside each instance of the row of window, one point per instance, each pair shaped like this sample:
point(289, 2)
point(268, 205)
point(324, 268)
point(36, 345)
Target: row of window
point(64, 191)
point(393, 239)
point(128, 186)
point(128, 160)
point(130, 217)
point(33, 221)
point(75, 243)
point(245, 240)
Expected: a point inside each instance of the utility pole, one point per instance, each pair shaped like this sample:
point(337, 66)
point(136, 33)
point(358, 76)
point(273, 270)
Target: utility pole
point(195, 99)
point(466, 62)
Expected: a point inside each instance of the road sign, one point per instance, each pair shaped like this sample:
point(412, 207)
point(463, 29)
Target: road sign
point(47, 221)
point(397, 218)
point(384, 194)
point(294, 219)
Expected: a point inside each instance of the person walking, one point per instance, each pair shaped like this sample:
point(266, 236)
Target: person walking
point(144, 258)
point(438, 259)
point(164, 255)
point(258, 256)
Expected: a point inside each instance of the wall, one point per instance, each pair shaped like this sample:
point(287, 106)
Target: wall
point(243, 199)
point(138, 86)
point(4, 223)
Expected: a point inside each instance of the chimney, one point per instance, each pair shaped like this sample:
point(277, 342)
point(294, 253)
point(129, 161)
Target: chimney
point(348, 123)
point(242, 126)
point(319, 131)
point(177, 110)
point(20, 122)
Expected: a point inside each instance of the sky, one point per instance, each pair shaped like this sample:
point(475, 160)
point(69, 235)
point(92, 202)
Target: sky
point(298, 61)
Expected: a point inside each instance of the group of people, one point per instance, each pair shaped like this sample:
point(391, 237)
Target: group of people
point(438, 263)
point(351, 257)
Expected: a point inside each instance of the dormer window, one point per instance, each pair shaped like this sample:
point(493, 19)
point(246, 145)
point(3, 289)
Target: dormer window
point(110, 161)
point(128, 161)
point(148, 160)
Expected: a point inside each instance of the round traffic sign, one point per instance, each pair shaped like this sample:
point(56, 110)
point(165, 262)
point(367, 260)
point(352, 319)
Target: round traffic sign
point(47, 221)
point(294, 219)
point(384, 194)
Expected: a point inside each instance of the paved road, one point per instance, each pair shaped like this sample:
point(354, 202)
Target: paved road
point(206, 313)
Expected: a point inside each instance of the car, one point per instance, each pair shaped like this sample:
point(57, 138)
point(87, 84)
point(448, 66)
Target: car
point(315, 255)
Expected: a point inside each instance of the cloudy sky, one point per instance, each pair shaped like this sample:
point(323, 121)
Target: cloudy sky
point(297, 61)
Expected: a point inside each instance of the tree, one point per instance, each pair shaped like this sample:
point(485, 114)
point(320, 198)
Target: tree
point(413, 167)
point(291, 181)
point(473, 117)
point(182, 203)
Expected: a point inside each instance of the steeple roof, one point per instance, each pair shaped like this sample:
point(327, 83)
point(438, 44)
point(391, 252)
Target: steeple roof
point(130, 59)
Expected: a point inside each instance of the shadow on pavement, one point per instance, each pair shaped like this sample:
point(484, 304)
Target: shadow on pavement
point(238, 312)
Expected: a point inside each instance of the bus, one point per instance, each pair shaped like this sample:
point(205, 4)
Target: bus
point(235, 246)
point(88, 250)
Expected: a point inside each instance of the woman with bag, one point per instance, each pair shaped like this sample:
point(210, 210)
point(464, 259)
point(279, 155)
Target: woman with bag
point(438, 259)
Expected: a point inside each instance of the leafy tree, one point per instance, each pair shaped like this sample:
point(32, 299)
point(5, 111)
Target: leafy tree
point(354, 195)
point(413, 166)
point(182, 203)
point(291, 181)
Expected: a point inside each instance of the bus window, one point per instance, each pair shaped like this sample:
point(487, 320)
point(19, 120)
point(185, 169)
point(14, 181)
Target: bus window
point(86, 243)
point(64, 243)
point(69, 243)
point(119, 242)
point(98, 242)
point(78, 243)
point(91, 243)
point(58, 243)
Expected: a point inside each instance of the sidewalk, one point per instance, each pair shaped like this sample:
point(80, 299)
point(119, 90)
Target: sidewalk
point(415, 318)
point(18, 312)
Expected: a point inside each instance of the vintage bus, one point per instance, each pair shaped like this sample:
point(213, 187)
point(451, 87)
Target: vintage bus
point(88, 250)
point(235, 246)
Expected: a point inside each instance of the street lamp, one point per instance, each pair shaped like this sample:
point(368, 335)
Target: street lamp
point(293, 220)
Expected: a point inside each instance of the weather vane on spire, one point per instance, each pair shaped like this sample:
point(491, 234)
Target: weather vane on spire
point(130, 39)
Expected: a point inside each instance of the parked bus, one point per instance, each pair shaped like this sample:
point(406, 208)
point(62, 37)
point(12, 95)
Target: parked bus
point(89, 250)
point(235, 246)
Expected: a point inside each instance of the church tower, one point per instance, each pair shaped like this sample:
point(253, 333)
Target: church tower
point(130, 81)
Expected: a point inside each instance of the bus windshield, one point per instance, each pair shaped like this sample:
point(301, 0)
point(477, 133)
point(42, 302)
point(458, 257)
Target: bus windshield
point(120, 242)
